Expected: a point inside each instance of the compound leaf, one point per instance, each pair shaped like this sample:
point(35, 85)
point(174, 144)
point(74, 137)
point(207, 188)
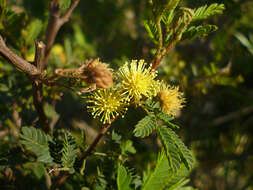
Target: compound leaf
point(170, 147)
point(124, 179)
point(197, 31)
point(158, 178)
point(166, 119)
point(145, 126)
point(185, 153)
point(69, 150)
point(36, 141)
point(207, 11)
point(152, 30)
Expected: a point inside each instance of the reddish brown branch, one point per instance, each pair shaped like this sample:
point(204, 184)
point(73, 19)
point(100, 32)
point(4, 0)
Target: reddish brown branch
point(159, 57)
point(17, 61)
point(60, 180)
point(95, 142)
point(55, 22)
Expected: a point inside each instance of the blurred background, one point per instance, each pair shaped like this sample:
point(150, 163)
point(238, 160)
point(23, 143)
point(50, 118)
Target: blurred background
point(215, 73)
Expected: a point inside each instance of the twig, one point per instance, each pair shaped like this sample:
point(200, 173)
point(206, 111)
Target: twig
point(15, 115)
point(223, 71)
point(16, 60)
point(38, 103)
point(95, 142)
point(55, 22)
point(60, 180)
point(37, 87)
point(48, 180)
point(159, 58)
point(244, 111)
point(40, 55)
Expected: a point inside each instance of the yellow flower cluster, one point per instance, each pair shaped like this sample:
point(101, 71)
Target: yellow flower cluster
point(137, 83)
point(107, 104)
point(170, 98)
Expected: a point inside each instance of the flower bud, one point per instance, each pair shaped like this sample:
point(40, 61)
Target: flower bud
point(98, 73)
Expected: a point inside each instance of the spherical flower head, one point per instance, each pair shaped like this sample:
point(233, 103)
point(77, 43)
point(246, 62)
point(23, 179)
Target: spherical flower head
point(137, 80)
point(107, 104)
point(98, 73)
point(170, 98)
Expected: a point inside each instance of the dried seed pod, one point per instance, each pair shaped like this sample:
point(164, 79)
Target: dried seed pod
point(98, 73)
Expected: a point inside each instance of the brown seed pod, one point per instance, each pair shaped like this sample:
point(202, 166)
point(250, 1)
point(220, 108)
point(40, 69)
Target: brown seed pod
point(98, 73)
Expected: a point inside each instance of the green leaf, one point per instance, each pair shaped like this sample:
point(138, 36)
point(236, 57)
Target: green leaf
point(69, 150)
point(244, 41)
point(183, 151)
point(145, 126)
point(127, 147)
point(101, 182)
point(32, 31)
point(13, 23)
point(161, 7)
point(152, 30)
point(177, 180)
point(170, 147)
point(160, 176)
point(124, 179)
point(36, 141)
point(64, 4)
point(68, 49)
point(168, 17)
point(3, 10)
point(166, 119)
point(197, 31)
point(207, 11)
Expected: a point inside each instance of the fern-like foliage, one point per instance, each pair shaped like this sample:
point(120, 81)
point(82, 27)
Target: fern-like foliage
point(207, 11)
point(185, 153)
point(198, 31)
point(124, 178)
point(168, 17)
point(166, 119)
point(152, 30)
point(63, 150)
point(36, 141)
point(170, 147)
point(145, 126)
point(159, 177)
point(178, 180)
point(55, 149)
point(69, 151)
point(176, 151)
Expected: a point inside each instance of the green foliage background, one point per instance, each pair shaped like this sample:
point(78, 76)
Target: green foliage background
point(214, 72)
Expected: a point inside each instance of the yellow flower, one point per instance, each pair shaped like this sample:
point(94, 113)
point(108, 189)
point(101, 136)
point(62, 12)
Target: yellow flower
point(170, 98)
point(107, 104)
point(137, 80)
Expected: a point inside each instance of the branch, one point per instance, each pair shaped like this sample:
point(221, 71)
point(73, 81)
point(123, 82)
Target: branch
point(17, 61)
point(223, 71)
point(37, 87)
point(158, 59)
point(38, 103)
point(60, 180)
point(96, 141)
point(55, 22)
point(40, 55)
point(233, 115)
